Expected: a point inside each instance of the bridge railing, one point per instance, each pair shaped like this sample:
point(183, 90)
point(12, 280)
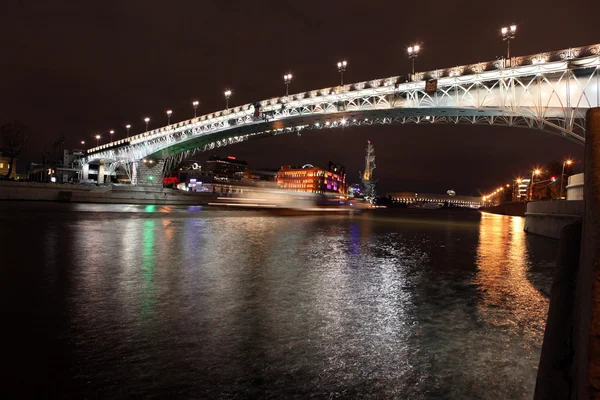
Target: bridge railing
point(382, 85)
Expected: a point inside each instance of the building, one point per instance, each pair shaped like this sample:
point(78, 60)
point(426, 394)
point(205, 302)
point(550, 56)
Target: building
point(522, 190)
point(356, 191)
point(5, 164)
point(311, 179)
point(66, 167)
point(224, 169)
point(420, 198)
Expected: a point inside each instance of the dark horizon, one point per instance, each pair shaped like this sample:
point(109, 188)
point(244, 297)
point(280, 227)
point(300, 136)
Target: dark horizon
point(79, 69)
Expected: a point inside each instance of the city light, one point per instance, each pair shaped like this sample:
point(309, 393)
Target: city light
point(97, 140)
point(227, 96)
point(169, 113)
point(508, 33)
point(341, 65)
point(287, 78)
point(562, 175)
point(536, 171)
point(413, 52)
point(195, 104)
point(128, 127)
point(111, 132)
point(83, 142)
point(146, 120)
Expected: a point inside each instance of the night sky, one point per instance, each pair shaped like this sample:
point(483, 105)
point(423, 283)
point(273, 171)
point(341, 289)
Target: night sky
point(74, 68)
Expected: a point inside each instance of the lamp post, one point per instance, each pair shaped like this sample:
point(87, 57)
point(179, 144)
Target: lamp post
point(169, 112)
point(227, 96)
point(83, 142)
point(146, 120)
point(341, 68)
point(112, 132)
point(195, 104)
point(413, 52)
point(566, 162)
point(287, 78)
point(533, 173)
point(508, 33)
point(97, 140)
point(128, 127)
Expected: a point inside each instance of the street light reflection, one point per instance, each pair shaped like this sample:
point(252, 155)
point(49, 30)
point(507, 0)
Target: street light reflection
point(502, 278)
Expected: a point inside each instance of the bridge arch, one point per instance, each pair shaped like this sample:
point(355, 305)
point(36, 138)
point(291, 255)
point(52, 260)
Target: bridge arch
point(548, 91)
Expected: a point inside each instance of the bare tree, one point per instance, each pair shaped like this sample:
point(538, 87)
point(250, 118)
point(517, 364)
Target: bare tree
point(13, 139)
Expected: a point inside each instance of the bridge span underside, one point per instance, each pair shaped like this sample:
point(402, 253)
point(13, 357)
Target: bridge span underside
point(548, 95)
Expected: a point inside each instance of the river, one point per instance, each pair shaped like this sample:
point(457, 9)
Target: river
point(115, 301)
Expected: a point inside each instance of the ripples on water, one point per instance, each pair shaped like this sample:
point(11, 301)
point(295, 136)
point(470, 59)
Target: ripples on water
point(123, 301)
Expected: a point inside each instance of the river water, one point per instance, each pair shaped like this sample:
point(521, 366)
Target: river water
point(114, 301)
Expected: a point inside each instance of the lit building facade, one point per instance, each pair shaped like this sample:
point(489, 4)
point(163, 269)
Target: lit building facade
point(225, 169)
point(522, 188)
point(413, 198)
point(5, 164)
point(311, 179)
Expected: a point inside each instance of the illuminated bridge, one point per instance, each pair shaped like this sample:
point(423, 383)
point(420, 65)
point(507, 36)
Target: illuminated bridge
point(546, 91)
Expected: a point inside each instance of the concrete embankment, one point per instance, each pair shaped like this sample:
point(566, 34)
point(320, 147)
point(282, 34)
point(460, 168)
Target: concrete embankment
point(101, 194)
point(547, 218)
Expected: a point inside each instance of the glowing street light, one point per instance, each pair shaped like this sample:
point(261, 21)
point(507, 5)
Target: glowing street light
point(128, 127)
point(97, 140)
point(508, 33)
point(195, 104)
point(146, 120)
point(287, 78)
point(83, 142)
point(413, 52)
point(227, 96)
point(341, 65)
point(112, 132)
point(566, 162)
point(169, 112)
point(534, 172)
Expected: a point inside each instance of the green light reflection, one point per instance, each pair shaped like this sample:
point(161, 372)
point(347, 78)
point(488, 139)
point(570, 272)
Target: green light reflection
point(148, 270)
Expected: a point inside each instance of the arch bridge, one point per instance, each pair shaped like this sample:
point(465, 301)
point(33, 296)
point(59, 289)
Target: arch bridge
point(547, 91)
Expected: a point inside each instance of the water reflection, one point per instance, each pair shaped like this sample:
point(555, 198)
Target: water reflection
point(193, 303)
point(508, 298)
point(148, 270)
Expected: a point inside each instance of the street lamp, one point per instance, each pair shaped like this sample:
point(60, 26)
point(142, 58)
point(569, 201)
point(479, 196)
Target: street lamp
point(287, 78)
point(341, 68)
point(128, 127)
point(508, 33)
point(169, 112)
point(534, 172)
point(112, 132)
point(227, 96)
point(83, 142)
point(413, 52)
point(97, 140)
point(566, 162)
point(195, 104)
point(146, 120)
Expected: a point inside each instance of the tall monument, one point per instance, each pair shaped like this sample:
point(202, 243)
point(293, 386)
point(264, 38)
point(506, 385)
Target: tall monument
point(367, 176)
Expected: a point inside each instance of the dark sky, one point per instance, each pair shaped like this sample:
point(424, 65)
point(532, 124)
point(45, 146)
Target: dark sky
point(75, 68)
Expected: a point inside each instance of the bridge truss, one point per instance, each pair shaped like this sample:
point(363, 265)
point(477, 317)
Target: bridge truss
point(547, 91)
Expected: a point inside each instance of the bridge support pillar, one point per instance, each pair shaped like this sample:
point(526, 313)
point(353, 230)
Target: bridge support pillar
point(150, 173)
point(101, 171)
point(85, 172)
point(587, 311)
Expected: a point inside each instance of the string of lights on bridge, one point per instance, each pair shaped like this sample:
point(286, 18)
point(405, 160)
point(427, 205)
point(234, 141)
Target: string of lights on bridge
point(413, 51)
point(490, 197)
